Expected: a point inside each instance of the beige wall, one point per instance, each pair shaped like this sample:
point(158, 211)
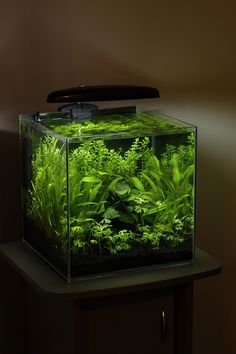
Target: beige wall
point(187, 49)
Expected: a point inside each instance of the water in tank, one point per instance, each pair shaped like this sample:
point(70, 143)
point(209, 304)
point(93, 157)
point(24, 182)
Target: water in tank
point(107, 189)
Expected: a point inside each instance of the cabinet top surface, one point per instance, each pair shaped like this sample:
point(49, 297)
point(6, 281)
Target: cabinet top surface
point(37, 273)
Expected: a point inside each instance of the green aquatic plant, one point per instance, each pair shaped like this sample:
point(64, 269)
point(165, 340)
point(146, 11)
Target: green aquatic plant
point(112, 201)
point(166, 193)
point(132, 123)
point(47, 198)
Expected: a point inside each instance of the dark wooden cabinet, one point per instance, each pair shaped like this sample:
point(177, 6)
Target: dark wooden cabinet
point(135, 323)
point(147, 311)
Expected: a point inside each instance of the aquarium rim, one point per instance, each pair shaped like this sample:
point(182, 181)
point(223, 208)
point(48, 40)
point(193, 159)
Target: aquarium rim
point(29, 119)
point(171, 119)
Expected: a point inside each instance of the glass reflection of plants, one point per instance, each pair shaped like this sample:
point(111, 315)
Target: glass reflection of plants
point(120, 201)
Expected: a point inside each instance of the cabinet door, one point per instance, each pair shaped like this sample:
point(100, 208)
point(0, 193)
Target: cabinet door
point(134, 324)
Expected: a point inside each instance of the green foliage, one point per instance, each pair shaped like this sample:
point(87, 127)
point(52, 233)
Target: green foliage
point(120, 201)
point(47, 199)
point(112, 124)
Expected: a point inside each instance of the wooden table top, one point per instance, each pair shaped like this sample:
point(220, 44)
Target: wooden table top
point(42, 277)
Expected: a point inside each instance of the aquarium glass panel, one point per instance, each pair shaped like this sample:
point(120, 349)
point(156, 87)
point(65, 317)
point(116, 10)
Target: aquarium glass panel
point(108, 191)
point(46, 207)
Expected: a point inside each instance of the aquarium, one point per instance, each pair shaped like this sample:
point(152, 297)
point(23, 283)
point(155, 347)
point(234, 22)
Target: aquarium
point(108, 189)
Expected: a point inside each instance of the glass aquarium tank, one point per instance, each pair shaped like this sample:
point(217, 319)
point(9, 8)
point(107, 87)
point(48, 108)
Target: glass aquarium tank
point(107, 189)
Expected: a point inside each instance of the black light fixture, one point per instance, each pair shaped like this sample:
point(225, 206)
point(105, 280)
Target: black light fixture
point(102, 93)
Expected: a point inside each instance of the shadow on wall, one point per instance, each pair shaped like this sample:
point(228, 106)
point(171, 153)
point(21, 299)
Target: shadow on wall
point(10, 207)
point(68, 60)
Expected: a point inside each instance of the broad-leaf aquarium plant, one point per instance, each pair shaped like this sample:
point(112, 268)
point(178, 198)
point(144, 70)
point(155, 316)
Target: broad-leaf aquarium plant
point(110, 192)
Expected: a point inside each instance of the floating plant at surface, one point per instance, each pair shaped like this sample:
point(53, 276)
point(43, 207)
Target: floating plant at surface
point(115, 123)
point(119, 201)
